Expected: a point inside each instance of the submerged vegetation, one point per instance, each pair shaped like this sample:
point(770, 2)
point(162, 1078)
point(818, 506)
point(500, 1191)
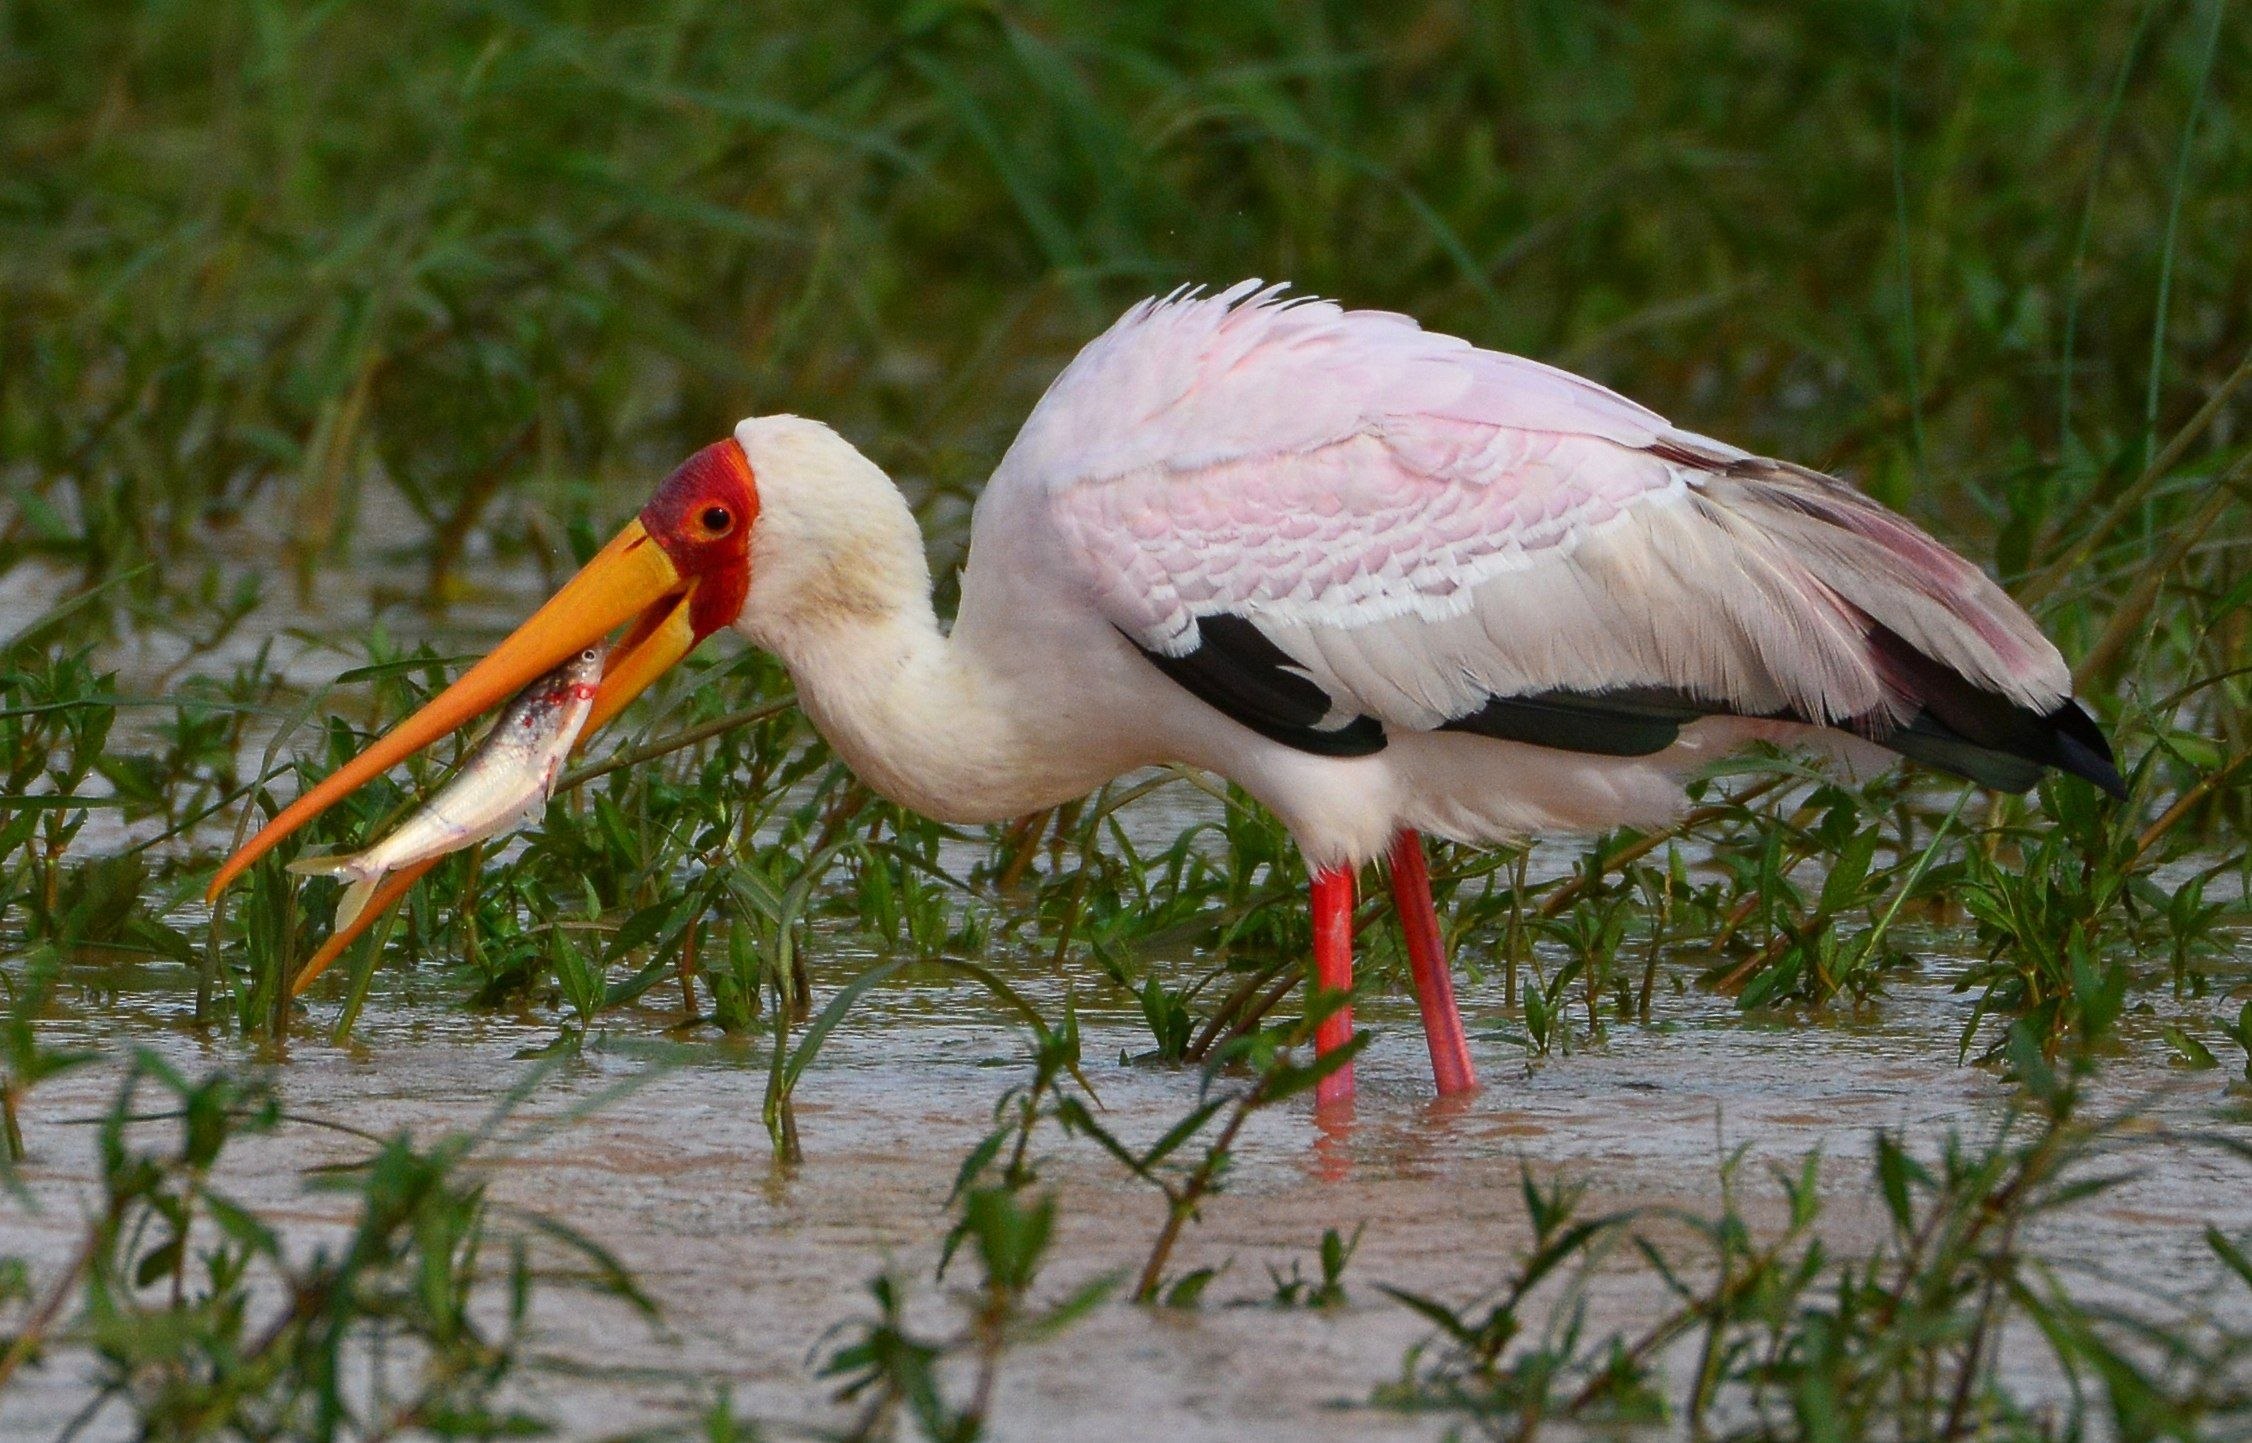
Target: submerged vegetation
point(1783, 1339)
point(203, 1322)
point(324, 328)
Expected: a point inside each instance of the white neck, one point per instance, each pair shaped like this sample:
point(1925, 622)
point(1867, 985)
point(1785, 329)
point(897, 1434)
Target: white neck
point(916, 718)
point(841, 592)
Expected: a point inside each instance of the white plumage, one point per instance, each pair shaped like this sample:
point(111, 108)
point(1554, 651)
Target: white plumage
point(1420, 525)
point(1386, 581)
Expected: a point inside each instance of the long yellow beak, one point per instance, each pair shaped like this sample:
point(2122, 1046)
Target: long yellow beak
point(631, 580)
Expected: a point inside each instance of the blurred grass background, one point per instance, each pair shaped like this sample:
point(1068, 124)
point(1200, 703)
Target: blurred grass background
point(511, 261)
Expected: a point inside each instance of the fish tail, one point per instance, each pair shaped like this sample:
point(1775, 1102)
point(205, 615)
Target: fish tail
point(350, 868)
point(328, 864)
point(354, 901)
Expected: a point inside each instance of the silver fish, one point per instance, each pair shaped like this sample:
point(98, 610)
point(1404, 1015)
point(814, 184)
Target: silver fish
point(504, 784)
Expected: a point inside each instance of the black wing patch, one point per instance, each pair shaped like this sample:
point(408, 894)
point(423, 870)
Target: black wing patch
point(1959, 727)
point(1238, 670)
point(1629, 722)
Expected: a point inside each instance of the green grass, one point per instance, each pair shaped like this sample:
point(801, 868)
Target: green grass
point(1770, 1335)
point(201, 1321)
point(263, 258)
point(274, 276)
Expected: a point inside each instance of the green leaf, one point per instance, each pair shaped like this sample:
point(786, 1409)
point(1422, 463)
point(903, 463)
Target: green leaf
point(1179, 1133)
point(401, 667)
point(2023, 1048)
point(160, 1260)
point(1438, 1314)
point(642, 927)
point(611, 1274)
point(1843, 887)
point(1080, 1303)
point(2188, 1051)
point(1895, 1172)
point(1010, 1236)
point(630, 988)
point(1187, 1291)
point(831, 1015)
point(2229, 1253)
point(65, 607)
point(242, 1225)
point(1075, 1117)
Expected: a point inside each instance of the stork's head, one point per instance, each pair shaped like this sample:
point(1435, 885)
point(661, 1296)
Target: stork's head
point(677, 573)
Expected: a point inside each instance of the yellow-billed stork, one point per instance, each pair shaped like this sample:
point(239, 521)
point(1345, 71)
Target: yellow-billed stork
point(1386, 581)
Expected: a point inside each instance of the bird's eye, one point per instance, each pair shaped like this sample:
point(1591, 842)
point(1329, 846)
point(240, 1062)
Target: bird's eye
point(717, 520)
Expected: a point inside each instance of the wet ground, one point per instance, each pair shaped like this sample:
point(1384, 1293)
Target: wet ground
point(755, 1264)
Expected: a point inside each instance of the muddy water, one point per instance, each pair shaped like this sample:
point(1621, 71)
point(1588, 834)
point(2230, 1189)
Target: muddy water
point(754, 1264)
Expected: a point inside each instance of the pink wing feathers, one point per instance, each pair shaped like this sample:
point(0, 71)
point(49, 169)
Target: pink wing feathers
point(1421, 528)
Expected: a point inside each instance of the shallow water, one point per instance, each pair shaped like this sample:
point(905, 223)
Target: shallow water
point(754, 1264)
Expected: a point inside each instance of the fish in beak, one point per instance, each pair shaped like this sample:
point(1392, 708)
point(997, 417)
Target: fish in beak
point(674, 575)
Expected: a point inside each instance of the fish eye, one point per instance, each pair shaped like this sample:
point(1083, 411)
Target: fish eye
point(717, 519)
point(587, 655)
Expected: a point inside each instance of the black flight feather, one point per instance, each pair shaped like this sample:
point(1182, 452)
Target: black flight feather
point(1238, 670)
point(1959, 727)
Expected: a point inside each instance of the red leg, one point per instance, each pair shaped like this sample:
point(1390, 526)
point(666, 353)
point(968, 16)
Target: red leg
point(1427, 959)
point(1333, 971)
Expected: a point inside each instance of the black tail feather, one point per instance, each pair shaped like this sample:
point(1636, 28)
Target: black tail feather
point(2083, 750)
point(1959, 727)
point(1989, 738)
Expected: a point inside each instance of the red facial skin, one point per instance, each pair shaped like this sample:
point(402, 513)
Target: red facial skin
point(702, 516)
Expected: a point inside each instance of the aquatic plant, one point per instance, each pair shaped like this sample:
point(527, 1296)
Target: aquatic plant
point(1334, 1254)
point(883, 1364)
point(26, 1059)
point(1771, 1334)
point(200, 1322)
point(1278, 1070)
